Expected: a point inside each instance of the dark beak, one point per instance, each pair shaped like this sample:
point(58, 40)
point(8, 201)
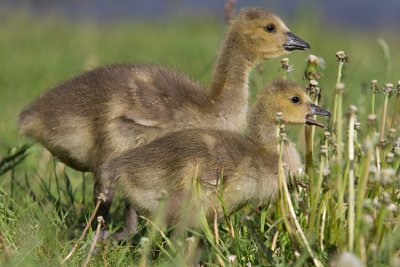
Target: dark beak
point(316, 110)
point(295, 43)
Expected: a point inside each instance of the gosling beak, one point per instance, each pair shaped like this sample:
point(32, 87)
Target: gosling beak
point(295, 43)
point(316, 110)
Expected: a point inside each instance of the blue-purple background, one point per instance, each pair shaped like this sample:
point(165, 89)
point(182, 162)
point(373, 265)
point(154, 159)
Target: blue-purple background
point(368, 15)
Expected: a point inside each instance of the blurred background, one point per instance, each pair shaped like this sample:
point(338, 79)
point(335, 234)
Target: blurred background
point(45, 42)
point(363, 14)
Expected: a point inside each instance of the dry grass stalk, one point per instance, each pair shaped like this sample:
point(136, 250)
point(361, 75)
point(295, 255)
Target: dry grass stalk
point(101, 198)
point(100, 223)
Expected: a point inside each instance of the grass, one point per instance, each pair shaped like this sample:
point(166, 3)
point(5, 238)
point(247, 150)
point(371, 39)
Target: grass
point(45, 206)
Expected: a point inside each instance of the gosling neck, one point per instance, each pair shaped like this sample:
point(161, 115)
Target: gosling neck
point(232, 72)
point(262, 128)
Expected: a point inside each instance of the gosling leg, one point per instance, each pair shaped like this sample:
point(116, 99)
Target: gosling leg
point(130, 227)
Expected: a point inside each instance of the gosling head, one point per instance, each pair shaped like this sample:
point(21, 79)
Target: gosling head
point(294, 103)
point(264, 35)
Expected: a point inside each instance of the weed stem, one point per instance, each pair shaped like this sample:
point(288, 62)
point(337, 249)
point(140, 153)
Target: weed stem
point(351, 217)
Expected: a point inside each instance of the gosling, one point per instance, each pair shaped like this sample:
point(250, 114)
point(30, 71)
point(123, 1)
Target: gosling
point(244, 167)
point(109, 110)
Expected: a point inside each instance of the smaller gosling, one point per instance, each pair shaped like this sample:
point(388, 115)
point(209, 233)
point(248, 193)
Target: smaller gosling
point(242, 169)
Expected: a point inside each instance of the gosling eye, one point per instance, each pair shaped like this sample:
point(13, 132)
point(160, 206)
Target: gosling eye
point(296, 99)
point(270, 28)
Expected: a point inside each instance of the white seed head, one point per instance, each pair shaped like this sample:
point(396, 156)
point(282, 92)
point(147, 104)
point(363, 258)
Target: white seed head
point(371, 117)
point(357, 126)
point(389, 157)
point(387, 176)
point(373, 169)
point(347, 259)
point(373, 248)
point(389, 85)
point(368, 220)
point(144, 241)
point(376, 203)
point(391, 207)
point(340, 88)
point(232, 258)
point(312, 58)
point(323, 149)
point(396, 150)
point(319, 61)
point(313, 82)
point(352, 109)
point(386, 197)
point(300, 172)
point(326, 172)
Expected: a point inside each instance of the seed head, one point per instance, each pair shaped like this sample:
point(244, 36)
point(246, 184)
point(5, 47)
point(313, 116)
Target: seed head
point(389, 157)
point(326, 172)
point(313, 90)
point(357, 126)
point(286, 66)
point(386, 198)
point(396, 147)
point(374, 175)
point(100, 220)
point(387, 176)
point(383, 142)
point(391, 207)
point(371, 118)
point(314, 64)
point(300, 172)
point(278, 117)
point(232, 258)
point(396, 91)
point(376, 203)
point(323, 150)
point(340, 88)
point(374, 86)
point(373, 248)
point(283, 136)
point(347, 259)
point(352, 109)
point(342, 57)
point(392, 134)
point(368, 220)
point(388, 89)
point(144, 243)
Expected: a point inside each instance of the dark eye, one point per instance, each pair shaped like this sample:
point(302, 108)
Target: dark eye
point(296, 99)
point(270, 28)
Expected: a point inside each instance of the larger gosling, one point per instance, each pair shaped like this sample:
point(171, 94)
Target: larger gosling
point(245, 167)
point(107, 111)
